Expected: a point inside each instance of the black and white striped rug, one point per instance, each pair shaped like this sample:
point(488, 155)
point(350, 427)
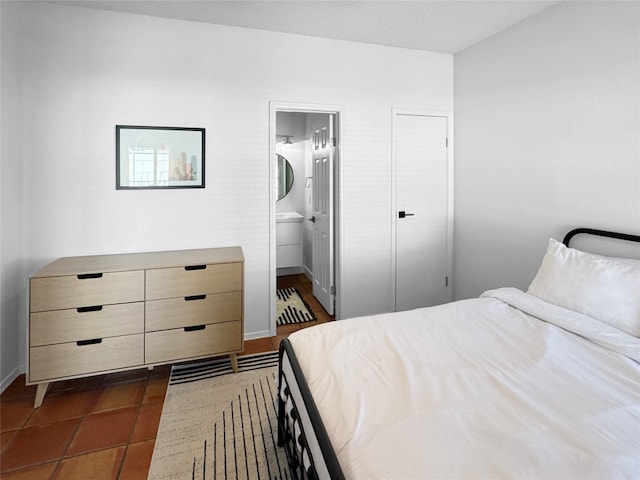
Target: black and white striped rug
point(291, 308)
point(217, 424)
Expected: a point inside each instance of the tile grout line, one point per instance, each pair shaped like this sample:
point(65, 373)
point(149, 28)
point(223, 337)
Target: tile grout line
point(58, 466)
point(133, 429)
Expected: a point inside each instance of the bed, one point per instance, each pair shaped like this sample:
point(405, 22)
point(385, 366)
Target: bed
point(537, 384)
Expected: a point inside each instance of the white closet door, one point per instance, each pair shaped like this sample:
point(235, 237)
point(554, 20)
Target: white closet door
point(421, 193)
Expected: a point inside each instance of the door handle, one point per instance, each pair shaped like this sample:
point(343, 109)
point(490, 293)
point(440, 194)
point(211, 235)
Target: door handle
point(312, 219)
point(403, 214)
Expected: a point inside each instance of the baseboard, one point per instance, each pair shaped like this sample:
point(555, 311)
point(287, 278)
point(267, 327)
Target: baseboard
point(308, 273)
point(8, 380)
point(288, 271)
point(256, 335)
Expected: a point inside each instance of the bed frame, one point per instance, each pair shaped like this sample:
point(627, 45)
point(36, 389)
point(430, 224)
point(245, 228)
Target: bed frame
point(301, 430)
point(599, 233)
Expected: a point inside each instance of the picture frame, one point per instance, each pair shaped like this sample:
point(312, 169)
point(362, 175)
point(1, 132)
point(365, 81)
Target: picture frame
point(159, 157)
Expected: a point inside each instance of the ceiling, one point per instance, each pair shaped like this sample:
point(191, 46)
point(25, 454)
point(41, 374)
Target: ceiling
point(445, 26)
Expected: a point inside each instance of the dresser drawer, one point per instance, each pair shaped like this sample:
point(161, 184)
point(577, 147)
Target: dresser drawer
point(188, 311)
point(69, 359)
point(193, 280)
point(178, 344)
point(60, 326)
point(57, 293)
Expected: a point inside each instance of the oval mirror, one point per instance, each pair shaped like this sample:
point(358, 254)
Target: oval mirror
point(285, 176)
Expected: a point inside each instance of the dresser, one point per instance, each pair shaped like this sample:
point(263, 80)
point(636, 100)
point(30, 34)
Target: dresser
point(107, 313)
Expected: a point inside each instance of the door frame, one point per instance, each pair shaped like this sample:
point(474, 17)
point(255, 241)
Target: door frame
point(448, 115)
point(338, 111)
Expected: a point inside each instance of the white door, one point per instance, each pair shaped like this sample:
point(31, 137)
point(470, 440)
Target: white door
point(421, 216)
point(322, 199)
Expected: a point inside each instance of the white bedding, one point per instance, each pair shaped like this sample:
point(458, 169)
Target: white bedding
point(494, 387)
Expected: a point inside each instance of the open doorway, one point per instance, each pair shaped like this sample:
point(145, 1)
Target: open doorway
point(304, 216)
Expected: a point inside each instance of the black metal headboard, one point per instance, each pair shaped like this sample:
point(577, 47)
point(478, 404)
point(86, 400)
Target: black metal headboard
point(599, 233)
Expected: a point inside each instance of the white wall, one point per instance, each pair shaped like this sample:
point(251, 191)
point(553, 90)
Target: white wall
point(12, 279)
point(82, 71)
point(547, 138)
point(292, 123)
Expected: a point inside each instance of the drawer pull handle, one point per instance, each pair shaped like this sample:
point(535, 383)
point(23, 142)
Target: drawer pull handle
point(86, 276)
point(194, 328)
point(195, 267)
point(194, 297)
point(93, 341)
point(93, 308)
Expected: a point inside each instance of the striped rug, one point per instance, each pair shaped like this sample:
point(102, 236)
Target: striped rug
point(217, 424)
point(291, 308)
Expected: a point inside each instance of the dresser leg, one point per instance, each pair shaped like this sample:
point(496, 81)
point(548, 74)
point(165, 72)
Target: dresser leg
point(234, 362)
point(40, 393)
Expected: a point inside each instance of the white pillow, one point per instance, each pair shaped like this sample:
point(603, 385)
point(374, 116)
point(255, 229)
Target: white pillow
point(602, 287)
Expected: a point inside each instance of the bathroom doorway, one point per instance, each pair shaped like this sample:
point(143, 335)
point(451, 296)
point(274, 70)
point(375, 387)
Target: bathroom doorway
point(305, 209)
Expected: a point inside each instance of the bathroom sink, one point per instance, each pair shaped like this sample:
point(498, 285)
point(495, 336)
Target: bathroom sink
point(288, 217)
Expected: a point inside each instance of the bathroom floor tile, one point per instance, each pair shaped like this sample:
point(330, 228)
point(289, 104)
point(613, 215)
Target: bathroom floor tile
point(103, 430)
point(101, 465)
point(287, 281)
point(309, 324)
point(287, 329)
point(36, 445)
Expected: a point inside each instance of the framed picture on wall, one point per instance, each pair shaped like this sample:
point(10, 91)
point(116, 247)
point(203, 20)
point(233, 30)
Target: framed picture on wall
point(159, 157)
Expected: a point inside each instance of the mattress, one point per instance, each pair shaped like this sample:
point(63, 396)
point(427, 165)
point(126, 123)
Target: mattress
point(502, 386)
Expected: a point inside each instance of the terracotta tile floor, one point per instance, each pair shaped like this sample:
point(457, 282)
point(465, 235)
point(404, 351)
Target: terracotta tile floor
point(101, 427)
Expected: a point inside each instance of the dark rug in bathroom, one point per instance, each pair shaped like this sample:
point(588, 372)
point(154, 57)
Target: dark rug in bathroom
point(291, 308)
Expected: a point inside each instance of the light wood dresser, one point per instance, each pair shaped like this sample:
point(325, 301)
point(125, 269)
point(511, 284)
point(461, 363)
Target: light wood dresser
point(108, 313)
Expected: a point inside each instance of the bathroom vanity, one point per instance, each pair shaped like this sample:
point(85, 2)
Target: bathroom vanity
point(289, 237)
